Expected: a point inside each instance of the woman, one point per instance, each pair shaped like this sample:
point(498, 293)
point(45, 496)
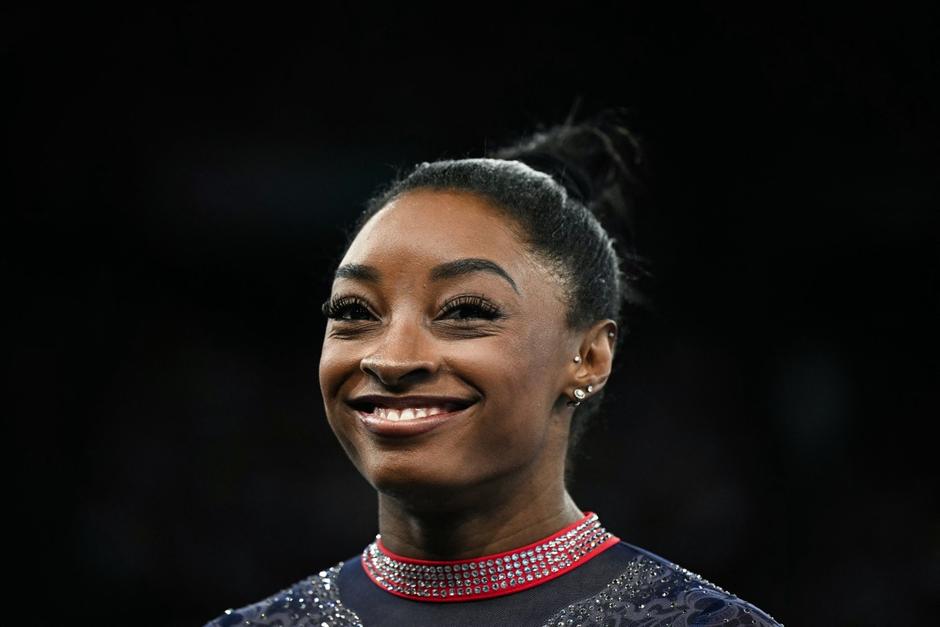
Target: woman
point(471, 329)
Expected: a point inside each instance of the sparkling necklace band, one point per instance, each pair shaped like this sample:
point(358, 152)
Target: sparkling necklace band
point(491, 575)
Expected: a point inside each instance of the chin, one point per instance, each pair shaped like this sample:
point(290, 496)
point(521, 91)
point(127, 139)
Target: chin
point(413, 483)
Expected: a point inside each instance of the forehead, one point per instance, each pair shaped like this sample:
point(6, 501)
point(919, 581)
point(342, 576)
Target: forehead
point(428, 227)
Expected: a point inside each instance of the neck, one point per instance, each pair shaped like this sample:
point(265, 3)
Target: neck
point(491, 519)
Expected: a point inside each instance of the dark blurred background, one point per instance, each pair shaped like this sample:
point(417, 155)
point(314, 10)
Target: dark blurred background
point(181, 182)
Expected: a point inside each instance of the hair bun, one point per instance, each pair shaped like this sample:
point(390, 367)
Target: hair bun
point(600, 163)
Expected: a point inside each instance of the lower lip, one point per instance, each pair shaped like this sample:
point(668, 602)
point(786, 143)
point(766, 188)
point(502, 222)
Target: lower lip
point(407, 428)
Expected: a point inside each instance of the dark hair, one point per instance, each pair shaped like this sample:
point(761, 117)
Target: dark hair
point(555, 186)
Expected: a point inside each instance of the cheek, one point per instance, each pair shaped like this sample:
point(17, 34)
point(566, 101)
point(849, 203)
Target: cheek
point(532, 385)
point(518, 377)
point(337, 361)
point(506, 367)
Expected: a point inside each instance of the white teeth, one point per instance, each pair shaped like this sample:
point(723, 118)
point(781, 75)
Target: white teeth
point(409, 413)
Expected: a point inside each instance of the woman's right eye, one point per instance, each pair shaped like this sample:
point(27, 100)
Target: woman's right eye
point(347, 309)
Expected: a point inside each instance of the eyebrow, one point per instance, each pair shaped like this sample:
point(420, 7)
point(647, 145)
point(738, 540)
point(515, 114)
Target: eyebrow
point(447, 270)
point(358, 272)
point(470, 265)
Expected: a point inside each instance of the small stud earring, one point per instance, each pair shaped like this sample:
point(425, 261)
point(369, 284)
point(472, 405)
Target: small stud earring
point(590, 389)
point(610, 334)
point(579, 394)
point(577, 359)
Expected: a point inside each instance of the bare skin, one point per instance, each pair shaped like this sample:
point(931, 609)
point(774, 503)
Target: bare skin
point(414, 324)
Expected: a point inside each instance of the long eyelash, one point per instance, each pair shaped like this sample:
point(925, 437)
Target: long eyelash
point(489, 310)
point(337, 306)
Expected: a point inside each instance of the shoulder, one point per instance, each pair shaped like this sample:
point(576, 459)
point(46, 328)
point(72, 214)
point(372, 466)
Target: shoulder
point(311, 601)
point(650, 588)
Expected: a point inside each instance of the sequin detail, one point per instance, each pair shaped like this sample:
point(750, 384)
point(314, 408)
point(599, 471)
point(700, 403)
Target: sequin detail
point(650, 593)
point(313, 602)
point(492, 575)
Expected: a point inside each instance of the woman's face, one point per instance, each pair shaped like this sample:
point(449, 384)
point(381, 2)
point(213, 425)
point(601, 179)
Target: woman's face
point(447, 359)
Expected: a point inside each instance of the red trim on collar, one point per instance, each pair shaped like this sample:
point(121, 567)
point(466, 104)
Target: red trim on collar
point(488, 576)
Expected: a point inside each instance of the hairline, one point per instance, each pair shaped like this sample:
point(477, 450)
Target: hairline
point(554, 270)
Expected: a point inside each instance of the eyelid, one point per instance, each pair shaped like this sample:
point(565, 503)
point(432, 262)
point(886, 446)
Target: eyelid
point(331, 308)
point(477, 300)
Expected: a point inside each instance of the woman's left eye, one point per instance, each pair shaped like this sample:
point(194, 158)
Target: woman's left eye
point(470, 308)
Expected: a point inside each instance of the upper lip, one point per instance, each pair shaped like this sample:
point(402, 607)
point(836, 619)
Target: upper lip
point(370, 401)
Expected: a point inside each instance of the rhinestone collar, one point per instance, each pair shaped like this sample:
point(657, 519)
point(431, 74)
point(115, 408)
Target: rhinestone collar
point(490, 575)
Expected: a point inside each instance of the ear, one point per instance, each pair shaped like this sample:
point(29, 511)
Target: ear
point(597, 357)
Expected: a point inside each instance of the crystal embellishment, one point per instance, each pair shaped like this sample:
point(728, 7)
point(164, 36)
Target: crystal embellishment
point(649, 592)
point(491, 575)
point(313, 601)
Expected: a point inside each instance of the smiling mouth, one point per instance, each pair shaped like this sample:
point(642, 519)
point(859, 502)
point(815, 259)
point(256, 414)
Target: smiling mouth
point(404, 416)
point(409, 413)
point(401, 409)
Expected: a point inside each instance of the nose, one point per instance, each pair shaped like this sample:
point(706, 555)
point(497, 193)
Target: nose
point(403, 357)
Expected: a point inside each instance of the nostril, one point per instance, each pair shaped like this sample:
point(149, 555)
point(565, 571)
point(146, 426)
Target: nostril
point(395, 373)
